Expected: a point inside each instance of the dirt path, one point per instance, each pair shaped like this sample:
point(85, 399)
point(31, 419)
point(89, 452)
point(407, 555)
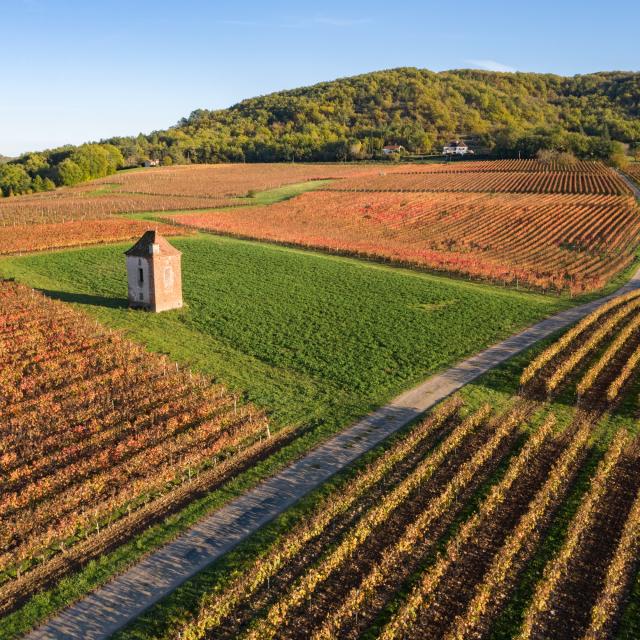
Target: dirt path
point(120, 601)
point(632, 185)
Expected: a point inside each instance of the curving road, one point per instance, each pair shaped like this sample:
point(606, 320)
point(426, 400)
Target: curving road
point(120, 601)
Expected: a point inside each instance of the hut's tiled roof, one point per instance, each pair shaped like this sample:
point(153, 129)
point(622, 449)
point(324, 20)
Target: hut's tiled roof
point(142, 248)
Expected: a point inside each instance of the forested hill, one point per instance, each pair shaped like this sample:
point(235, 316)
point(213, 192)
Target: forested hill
point(419, 109)
point(501, 114)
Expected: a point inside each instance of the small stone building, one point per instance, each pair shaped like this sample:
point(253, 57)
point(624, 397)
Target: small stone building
point(154, 274)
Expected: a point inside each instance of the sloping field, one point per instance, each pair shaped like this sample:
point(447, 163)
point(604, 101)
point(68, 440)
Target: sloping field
point(88, 213)
point(532, 165)
point(227, 180)
point(82, 204)
point(163, 189)
point(361, 564)
point(574, 242)
point(578, 228)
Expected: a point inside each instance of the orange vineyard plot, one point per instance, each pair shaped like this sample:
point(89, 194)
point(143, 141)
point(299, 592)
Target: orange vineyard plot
point(228, 180)
point(42, 237)
point(553, 241)
point(580, 166)
point(94, 431)
point(82, 204)
point(493, 181)
point(179, 188)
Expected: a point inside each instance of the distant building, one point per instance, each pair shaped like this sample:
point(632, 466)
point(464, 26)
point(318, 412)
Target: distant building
point(154, 274)
point(392, 148)
point(152, 163)
point(456, 148)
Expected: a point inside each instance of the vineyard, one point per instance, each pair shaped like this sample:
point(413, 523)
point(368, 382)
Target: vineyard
point(479, 521)
point(80, 204)
point(99, 439)
point(520, 222)
point(227, 180)
point(89, 213)
point(164, 189)
point(558, 241)
point(495, 182)
point(27, 238)
point(396, 552)
point(537, 166)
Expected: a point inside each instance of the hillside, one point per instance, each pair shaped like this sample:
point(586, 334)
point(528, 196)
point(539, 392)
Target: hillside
point(500, 114)
point(420, 109)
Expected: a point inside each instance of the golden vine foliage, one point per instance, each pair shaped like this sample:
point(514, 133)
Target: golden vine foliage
point(215, 607)
point(576, 356)
point(565, 341)
point(614, 348)
point(542, 602)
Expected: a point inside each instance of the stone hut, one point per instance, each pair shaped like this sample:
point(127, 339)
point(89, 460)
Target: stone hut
point(154, 274)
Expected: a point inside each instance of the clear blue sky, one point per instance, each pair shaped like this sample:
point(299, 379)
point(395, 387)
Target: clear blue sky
point(78, 70)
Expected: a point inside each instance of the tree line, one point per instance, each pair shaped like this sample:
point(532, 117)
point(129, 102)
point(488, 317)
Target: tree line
point(503, 114)
point(66, 166)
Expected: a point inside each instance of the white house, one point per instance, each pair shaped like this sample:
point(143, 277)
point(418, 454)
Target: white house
point(152, 163)
point(392, 148)
point(456, 148)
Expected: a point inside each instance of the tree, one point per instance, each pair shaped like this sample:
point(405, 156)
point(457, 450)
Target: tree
point(38, 183)
point(618, 157)
point(566, 159)
point(116, 159)
point(546, 156)
point(356, 150)
point(70, 173)
point(97, 160)
point(14, 179)
point(34, 163)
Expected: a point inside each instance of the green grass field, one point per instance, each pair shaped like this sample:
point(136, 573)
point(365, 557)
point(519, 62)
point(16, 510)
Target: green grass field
point(309, 337)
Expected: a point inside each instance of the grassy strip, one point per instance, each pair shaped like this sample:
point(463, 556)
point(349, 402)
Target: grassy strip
point(259, 199)
point(629, 628)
